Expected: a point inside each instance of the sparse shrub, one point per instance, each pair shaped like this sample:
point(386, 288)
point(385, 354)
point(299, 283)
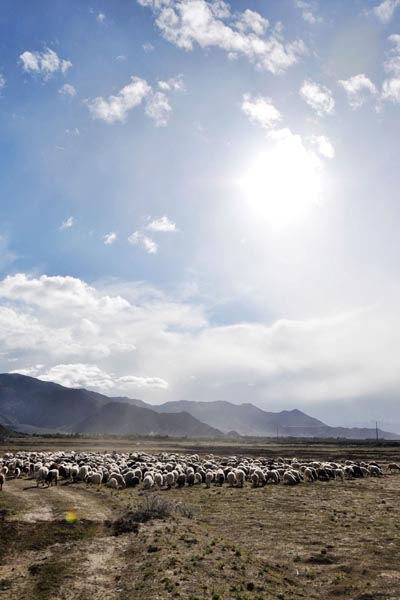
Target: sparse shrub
point(152, 506)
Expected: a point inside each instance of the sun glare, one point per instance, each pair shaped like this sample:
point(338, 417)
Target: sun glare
point(284, 183)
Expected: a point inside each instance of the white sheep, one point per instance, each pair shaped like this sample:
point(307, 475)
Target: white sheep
point(289, 478)
point(273, 476)
point(95, 478)
point(119, 478)
point(41, 475)
point(308, 474)
point(158, 479)
point(112, 483)
point(148, 482)
point(209, 478)
point(375, 471)
point(83, 473)
point(240, 477)
point(231, 478)
point(2, 480)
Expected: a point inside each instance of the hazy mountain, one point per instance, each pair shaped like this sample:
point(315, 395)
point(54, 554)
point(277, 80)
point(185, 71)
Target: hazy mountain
point(121, 418)
point(247, 419)
point(31, 405)
point(36, 406)
point(26, 400)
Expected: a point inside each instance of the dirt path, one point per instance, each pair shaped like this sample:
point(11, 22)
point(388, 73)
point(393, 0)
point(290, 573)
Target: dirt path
point(92, 559)
point(44, 504)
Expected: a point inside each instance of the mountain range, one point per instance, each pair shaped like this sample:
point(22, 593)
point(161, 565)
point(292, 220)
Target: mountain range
point(34, 406)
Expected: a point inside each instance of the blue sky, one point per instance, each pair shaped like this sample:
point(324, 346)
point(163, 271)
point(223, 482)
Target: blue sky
point(200, 200)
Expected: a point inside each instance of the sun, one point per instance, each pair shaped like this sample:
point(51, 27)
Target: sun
point(283, 184)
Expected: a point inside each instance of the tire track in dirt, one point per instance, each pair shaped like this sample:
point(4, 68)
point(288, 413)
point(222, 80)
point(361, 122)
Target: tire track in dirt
point(44, 504)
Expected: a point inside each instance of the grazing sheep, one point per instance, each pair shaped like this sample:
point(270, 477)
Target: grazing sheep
point(393, 467)
point(51, 477)
point(95, 478)
point(158, 480)
point(181, 480)
point(375, 471)
point(231, 478)
point(41, 475)
point(2, 480)
point(83, 473)
point(74, 473)
point(119, 478)
point(64, 471)
point(209, 478)
point(112, 483)
point(308, 475)
point(289, 478)
point(348, 471)
point(169, 479)
point(148, 482)
point(339, 474)
point(273, 476)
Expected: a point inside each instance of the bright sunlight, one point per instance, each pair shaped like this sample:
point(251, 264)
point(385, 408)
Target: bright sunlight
point(284, 183)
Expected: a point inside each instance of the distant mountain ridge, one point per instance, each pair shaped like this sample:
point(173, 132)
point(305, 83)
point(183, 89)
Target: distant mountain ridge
point(246, 419)
point(249, 420)
point(32, 405)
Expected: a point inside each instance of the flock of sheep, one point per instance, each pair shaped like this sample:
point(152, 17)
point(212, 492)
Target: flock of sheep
point(121, 470)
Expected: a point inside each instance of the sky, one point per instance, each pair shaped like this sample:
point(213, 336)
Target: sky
point(200, 200)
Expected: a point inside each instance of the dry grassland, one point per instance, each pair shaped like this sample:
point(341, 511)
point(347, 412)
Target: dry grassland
point(335, 540)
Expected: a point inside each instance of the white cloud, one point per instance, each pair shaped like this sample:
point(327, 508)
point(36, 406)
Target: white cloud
point(45, 63)
point(307, 12)
point(110, 238)
point(73, 132)
point(323, 145)
point(250, 21)
point(318, 97)
point(138, 238)
point(175, 84)
point(186, 23)
point(2, 81)
point(158, 109)
point(391, 90)
point(116, 108)
point(70, 222)
point(101, 17)
point(163, 224)
point(358, 88)
point(385, 11)
point(261, 111)
point(147, 47)
point(67, 90)
point(63, 329)
point(81, 375)
point(392, 62)
point(165, 348)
